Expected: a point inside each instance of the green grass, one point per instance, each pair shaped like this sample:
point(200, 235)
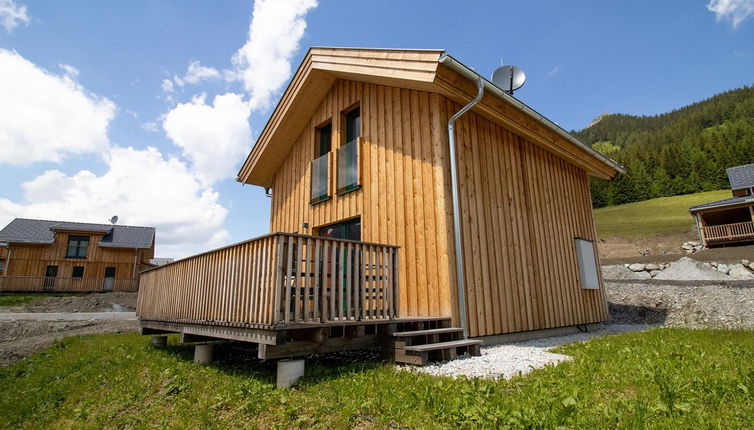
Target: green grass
point(664, 378)
point(18, 299)
point(665, 215)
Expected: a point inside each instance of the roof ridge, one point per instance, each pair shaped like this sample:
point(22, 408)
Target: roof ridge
point(83, 222)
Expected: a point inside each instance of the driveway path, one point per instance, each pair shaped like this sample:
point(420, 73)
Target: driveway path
point(68, 316)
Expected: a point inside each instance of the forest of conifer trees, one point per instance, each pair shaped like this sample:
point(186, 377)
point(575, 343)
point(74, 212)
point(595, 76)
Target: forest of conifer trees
point(680, 152)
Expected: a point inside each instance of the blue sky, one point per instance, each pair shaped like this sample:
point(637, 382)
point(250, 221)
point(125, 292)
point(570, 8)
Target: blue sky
point(87, 87)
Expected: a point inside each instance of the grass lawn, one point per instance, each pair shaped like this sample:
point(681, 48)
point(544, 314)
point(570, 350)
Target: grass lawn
point(665, 215)
point(664, 378)
point(17, 299)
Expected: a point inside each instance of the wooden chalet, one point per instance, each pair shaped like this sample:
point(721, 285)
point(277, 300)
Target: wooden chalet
point(55, 256)
point(731, 220)
point(369, 205)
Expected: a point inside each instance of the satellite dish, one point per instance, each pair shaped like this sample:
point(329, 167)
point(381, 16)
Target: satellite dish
point(114, 219)
point(508, 78)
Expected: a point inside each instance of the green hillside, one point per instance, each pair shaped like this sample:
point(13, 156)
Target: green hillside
point(681, 152)
point(665, 215)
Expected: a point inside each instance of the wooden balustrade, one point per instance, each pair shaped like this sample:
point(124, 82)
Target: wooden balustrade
point(729, 232)
point(32, 284)
point(276, 280)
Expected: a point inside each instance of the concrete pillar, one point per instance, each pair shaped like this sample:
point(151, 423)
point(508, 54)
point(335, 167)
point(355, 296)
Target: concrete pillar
point(203, 354)
point(288, 372)
point(159, 341)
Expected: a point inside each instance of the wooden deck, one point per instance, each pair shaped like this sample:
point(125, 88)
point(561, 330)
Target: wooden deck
point(278, 281)
point(728, 233)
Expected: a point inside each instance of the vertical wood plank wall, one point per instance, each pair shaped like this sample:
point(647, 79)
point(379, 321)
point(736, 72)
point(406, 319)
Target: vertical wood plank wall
point(401, 200)
point(521, 208)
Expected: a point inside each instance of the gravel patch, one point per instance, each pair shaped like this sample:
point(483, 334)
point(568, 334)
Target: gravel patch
point(92, 302)
point(519, 358)
point(687, 269)
point(621, 272)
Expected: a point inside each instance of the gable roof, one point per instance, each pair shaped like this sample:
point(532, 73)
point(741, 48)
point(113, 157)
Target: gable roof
point(733, 201)
point(425, 70)
point(43, 231)
point(741, 176)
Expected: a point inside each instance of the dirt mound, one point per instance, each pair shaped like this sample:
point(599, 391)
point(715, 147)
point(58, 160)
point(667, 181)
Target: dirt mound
point(687, 269)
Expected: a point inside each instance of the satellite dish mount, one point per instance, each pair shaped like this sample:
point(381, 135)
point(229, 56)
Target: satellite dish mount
point(508, 78)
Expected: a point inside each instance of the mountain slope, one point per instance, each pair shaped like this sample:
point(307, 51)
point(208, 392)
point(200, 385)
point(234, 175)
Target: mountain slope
point(679, 152)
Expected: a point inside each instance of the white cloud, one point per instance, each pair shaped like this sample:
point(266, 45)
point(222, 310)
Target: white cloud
point(735, 11)
point(555, 70)
point(11, 14)
point(69, 70)
point(167, 86)
point(214, 137)
point(142, 188)
point(45, 117)
point(263, 63)
point(197, 73)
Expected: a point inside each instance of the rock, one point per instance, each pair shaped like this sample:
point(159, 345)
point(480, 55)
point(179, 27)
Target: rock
point(626, 265)
point(745, 262)
point(619, 273)
point(723, 268)
point(695, 244)
point(687, 269)
point(751, 266)
point(654, 273)
point(636, 267)
point(738, 271)
point(713, 264)
point(652, 267)
point(687, 247)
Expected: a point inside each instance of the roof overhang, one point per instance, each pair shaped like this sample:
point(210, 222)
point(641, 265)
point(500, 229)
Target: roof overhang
point(425, 70)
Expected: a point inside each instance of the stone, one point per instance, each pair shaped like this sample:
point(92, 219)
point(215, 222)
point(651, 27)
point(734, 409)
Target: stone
point(654, 273)
point(687, 269)
point(695, 244)
point(687, 247)
point(723, 268)
point(713, 264)
point(745, 262)
point(751, 266)
point(636, 267)
point(626, 265)
point(739, 271)
point(289, 371)
point(652, 267)
point(620, 273)
point(204, 354)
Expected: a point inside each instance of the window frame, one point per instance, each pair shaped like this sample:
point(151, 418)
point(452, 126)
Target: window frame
point(586, 259)
point(73, 272)
point(317, 155)
point(78, 247)
point(357, 140)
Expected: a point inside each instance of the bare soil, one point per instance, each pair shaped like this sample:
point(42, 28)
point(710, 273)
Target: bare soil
point(619, 250)
point(19, 339)
point(93, 302)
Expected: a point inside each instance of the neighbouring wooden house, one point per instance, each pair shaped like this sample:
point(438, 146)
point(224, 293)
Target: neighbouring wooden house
point(47, 256)
point(360, 168)
point(731, 220)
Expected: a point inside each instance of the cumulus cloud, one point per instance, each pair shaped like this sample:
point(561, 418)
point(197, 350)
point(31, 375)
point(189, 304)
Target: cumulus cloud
point(735, 11)
point(142, 187)
point(11, 14)
point(46, 117)
point(263, 63)
point(214, 137)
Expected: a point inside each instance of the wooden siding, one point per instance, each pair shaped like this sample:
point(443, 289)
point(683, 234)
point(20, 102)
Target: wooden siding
point(401, 200)
point(522, 207)
point(33, 259)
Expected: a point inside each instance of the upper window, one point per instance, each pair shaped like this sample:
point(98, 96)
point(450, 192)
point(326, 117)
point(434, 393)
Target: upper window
point(348, 153)
point(320, 165)
point(77, 246)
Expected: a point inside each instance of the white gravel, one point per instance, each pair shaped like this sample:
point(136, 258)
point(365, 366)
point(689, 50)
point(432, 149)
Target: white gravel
point(519, 358)
point(688, 269)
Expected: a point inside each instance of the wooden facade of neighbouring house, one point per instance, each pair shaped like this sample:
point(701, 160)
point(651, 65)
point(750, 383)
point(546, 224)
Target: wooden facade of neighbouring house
point(356, 156)
point(731, 220)
point(54, 256)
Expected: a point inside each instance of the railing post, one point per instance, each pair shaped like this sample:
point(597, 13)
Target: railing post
point(278, 278)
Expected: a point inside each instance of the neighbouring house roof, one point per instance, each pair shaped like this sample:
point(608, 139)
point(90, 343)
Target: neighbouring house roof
point(741, 176)
point(734, 201)
point(43, 231)
point(425, 70)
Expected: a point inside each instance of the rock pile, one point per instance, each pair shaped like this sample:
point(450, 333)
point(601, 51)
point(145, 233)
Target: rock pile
point(685, 269)
point(691, 247)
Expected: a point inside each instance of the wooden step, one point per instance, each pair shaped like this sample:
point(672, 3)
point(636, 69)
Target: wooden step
point(427, 332)
point(443, 345)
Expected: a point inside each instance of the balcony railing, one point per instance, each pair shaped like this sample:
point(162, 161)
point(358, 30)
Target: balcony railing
point(274, 281)
point(739, 231)
point(32, 284)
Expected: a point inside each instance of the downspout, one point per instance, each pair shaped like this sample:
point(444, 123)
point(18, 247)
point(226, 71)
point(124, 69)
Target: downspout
point(456, 204)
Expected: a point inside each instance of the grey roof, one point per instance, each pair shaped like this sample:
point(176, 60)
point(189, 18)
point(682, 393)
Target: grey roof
point(42, 231)
point(723, 203)
point(741, 176)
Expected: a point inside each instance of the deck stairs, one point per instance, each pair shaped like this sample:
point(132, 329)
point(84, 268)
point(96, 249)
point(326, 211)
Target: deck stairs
point(421, 345)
